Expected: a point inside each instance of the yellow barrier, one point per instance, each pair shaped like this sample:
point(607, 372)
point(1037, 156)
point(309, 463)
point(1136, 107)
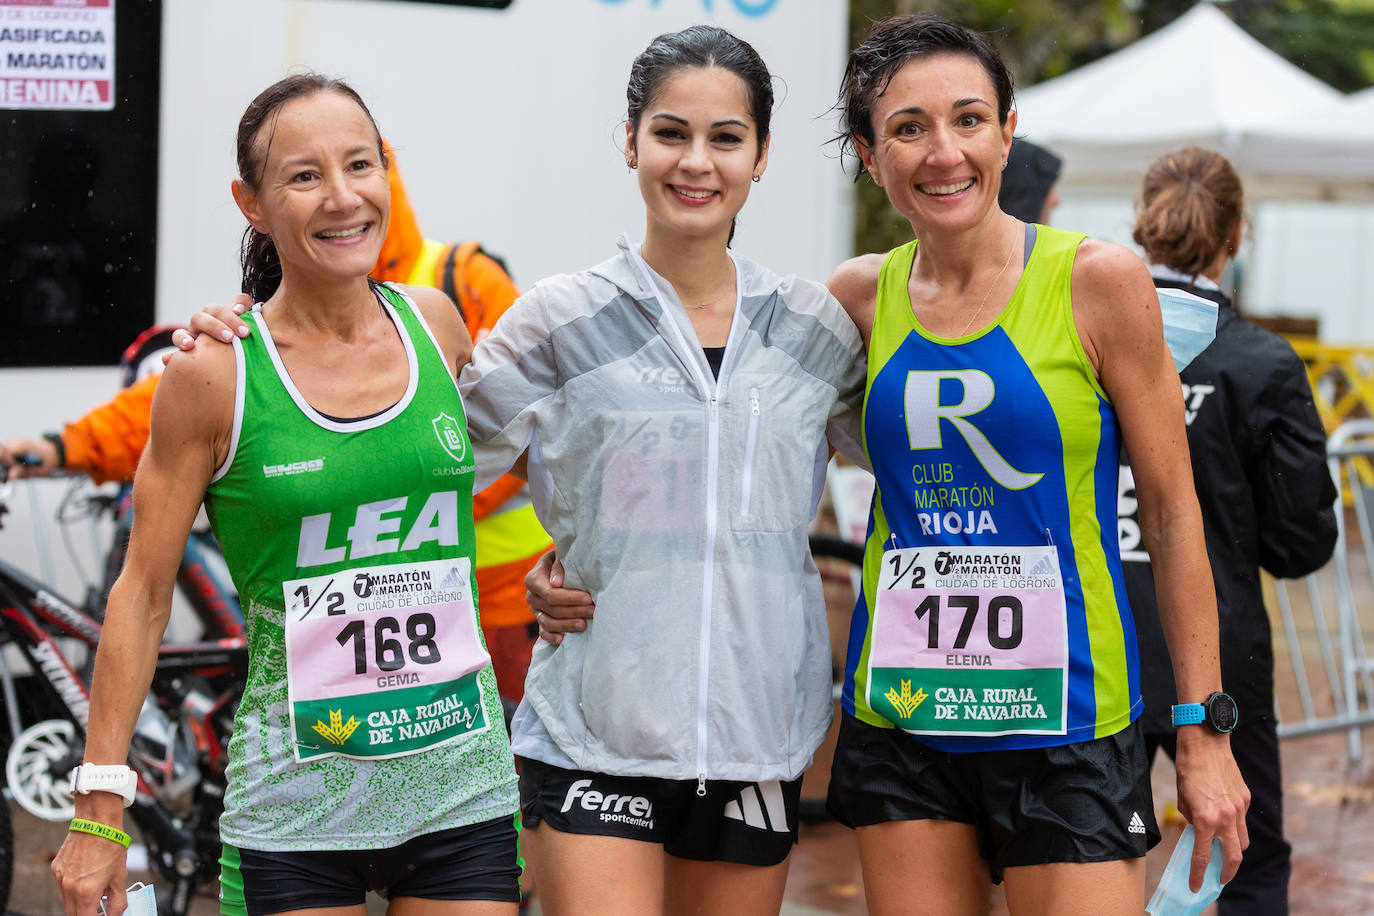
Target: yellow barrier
point(1342, 381)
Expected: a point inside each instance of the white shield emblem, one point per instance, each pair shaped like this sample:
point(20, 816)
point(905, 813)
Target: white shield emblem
point(450, 433)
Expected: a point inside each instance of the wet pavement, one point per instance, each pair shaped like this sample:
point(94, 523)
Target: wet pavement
point(1329, 801)
point(1330, 820)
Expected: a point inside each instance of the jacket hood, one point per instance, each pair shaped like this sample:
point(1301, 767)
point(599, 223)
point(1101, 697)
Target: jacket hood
point(403, 243)
point(620, 271)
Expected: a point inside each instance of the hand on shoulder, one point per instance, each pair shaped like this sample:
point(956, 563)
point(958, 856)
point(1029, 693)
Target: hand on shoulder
point(215, 322)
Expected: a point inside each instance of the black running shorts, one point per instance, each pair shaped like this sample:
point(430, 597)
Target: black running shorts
point(748, 823)
point(1084, 802)
point(476, 862)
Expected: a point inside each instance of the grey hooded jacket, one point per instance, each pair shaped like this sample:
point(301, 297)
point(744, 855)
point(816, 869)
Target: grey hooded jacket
point(682, 503)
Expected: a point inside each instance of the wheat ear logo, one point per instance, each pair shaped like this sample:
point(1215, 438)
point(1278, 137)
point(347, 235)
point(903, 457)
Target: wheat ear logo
point(337, 731)
point(905, 702)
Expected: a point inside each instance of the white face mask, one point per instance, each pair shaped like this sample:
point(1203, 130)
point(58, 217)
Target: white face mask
point(1190, 324)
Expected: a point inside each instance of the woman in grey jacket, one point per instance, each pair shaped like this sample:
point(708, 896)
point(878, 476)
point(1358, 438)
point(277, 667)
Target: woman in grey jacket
point(674, 404)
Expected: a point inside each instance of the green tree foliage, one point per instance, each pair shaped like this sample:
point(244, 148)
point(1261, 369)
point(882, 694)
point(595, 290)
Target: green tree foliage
point(1040, 39)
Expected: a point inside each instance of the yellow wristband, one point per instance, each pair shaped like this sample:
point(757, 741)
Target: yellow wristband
point(114, 834)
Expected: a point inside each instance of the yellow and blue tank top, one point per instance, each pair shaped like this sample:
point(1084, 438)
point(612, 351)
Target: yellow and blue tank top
point(1002, 438)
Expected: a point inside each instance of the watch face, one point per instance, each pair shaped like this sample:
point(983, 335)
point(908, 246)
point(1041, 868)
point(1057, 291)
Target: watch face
point(1221, 712)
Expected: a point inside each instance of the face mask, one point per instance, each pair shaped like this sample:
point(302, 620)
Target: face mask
point(1190, 324)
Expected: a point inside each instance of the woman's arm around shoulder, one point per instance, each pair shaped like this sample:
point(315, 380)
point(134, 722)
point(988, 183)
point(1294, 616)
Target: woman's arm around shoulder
point(192, 423)
point(855, 284)
point(444, 320)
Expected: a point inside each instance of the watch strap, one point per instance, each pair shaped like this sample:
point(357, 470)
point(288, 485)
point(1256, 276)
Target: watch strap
point(116, 779)
point(1188, 714)
point(113, 834)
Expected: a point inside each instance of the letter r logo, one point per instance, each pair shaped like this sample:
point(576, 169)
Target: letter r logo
point(924, 412)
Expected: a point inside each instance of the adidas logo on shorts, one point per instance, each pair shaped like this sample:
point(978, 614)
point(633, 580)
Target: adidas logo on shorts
point(760, 805)
point(1136, 825)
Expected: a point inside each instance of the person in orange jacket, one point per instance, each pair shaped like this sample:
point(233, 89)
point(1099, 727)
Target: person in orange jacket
point(106, 443)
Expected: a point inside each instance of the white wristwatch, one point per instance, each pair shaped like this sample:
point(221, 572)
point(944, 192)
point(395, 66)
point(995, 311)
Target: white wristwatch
point(117, 778)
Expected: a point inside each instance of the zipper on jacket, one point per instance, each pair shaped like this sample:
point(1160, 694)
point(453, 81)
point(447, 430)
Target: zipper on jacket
point(708, 584)
point(746, 495)
point(709, 386)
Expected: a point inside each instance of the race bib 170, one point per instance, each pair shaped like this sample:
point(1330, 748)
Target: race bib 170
point(970, 641)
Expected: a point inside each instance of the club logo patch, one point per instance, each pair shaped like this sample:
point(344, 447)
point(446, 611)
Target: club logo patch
point(450, 433)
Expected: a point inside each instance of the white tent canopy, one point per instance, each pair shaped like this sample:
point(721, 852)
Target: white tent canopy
point(1335, 140)
point(1203, 81)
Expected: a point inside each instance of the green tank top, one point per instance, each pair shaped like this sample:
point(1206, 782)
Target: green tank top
point(370, 714)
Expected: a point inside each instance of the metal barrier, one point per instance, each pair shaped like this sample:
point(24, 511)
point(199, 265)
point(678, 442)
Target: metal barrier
point(1350, 575)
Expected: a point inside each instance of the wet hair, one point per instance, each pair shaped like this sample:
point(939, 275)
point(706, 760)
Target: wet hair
point(258, 257)
point(700, 46)
point(890, 45)
point(1188, 210)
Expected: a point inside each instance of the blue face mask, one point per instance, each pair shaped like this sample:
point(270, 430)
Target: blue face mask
point(1190, 324)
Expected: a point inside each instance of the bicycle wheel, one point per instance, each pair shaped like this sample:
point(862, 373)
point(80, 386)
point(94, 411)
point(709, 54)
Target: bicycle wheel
point(840, 563)
point(36, 765)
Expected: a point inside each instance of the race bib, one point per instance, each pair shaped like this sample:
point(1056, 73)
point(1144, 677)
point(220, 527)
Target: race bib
point(970, 641)
point(383, 661)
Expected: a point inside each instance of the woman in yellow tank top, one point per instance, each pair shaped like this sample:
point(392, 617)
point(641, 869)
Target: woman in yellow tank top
point(1011, 483)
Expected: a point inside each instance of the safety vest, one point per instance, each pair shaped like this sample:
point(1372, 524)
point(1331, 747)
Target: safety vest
point(509, 538)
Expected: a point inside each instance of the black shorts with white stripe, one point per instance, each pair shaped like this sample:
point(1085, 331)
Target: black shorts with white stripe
point(748, 823)
point(1083, 802)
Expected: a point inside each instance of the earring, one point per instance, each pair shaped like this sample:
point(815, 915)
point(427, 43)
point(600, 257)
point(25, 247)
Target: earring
point(757, 178)
point(632, 163)
point(262, 227)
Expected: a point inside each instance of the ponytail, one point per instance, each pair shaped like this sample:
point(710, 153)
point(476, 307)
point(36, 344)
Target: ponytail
point(1189, 210)
point(261, 265)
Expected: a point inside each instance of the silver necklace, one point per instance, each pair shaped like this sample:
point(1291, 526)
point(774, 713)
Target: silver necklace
point(708, 303)
point(978, 311)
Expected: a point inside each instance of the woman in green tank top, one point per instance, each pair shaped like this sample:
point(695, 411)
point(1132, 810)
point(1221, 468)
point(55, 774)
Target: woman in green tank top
point(331, 451)
point(1002, 361)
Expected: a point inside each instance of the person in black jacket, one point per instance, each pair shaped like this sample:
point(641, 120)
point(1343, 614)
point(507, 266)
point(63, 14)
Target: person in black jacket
point(1028, 180)
point(1259, 466)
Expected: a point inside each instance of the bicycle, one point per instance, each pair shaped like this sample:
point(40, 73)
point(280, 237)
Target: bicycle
point(202, 578)
point(180, 743)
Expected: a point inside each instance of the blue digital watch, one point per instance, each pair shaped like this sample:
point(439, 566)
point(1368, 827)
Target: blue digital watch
point(1218, 712)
